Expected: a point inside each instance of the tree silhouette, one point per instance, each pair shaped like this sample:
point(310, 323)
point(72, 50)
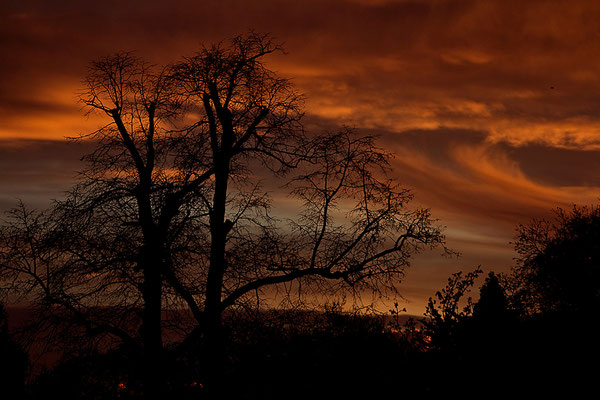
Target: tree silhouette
point(171, 212)
point(536, 325)
point(472, 346)
point(558, 269)
point(493, 303)
point(449, 309)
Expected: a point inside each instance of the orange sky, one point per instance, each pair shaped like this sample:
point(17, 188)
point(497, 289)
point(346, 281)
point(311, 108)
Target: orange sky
point(492, 107)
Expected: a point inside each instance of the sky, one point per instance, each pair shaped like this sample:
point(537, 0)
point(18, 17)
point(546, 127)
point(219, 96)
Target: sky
point(491, 108)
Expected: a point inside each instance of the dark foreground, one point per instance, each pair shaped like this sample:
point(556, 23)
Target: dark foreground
point(345, 356)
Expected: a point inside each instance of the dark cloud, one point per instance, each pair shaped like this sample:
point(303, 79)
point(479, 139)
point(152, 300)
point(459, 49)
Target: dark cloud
point(557, 166)
point(435, 144)
point(37, 171)
point(24, 105)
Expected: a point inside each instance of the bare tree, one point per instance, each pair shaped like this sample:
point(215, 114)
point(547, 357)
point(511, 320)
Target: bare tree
point(171, 212)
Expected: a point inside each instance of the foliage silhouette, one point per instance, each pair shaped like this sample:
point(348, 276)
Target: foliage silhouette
point(493, 303)
point(493, 344)
point(558, 269)
point(446, 312)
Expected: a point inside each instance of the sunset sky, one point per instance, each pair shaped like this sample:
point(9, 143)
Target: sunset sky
point(492, 108)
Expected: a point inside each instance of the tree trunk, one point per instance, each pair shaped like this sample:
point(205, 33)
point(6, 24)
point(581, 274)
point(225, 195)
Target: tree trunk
point(151, 328)
point(215, 356)
point(213, 329)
